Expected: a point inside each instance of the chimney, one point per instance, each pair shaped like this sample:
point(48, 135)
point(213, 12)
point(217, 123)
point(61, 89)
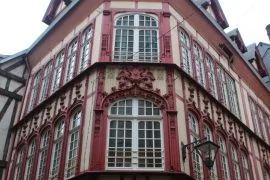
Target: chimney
point(268, 30)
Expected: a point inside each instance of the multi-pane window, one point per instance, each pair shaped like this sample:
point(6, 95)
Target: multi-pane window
point(30, 159)
point(194, 136)
point(263, 125)
point(136, 38)
point(199, 68)
point(223, 158)
point(255, 118)
point(185, 51)
point(211, 75)
point(228, 91)
point(235, 163)
point(34, 91)
point(71, 59)
point(75, 122)
point(18, 164)
point(58, 70)
point(245, 166)
point(85, 47)
point(209, 136)
point(57, 149)
point(43, 154)
point(135, 136)
point(45, 81)
point(222, 86)
point(232, 96)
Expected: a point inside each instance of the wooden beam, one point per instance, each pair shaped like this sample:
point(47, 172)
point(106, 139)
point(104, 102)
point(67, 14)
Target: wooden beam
point(9, 94)
point(12, 76)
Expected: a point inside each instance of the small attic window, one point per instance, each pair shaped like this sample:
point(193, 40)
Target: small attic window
point(67, 2)
point(226, 51)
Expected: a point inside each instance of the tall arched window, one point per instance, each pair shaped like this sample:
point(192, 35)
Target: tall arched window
point(57, 149)
point(211, 75)
point(30, 159)
point(245, 167)
point(34, 91)
point(86, 41)
point(71, 59)
point(223, 158)
point(73, 142)
point(135, 138)
point(209, 136)
point(194, 136)
point(199, 67)
point(185, 50)
point(18, 164)
point(45, 81)
point(58, 70)
point(43, 154)
point(136, 38)
point(235, 162)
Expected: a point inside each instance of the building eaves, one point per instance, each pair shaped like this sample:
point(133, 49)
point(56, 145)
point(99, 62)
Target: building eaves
point(250, 54)
point(11, 57)
point(53, 24)
point(221, 31)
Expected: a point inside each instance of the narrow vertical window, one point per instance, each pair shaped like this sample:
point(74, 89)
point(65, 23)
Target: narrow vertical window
point(223, 159)
point(198, 57)
point(34, 91)
point(136, 38)
point(75, 122)
point(71, 59)
point(222, 86)
point(43, 154)
point(267, 174)
point(135, 140)
point(209, 136)
point(211, 75)
point(58, 70)
point(45, 81)
point(245, 166)
point(18, 164)
point(29, 160)
point(185, 50)
point(263, 125)
point(255, 118)
point(57, 149)
point(232, 95)
point(235, 163)
point(194, 136)
point(85, 48)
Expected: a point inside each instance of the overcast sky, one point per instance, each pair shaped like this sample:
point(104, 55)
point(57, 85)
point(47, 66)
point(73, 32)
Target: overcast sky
point(21, 21)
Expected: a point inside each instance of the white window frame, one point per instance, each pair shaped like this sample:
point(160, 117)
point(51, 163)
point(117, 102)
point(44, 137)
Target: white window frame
point(45, 81)
point(255, 118)
point(34, 91)
point(134, 118)
point(199, 63)
point(236, 169)
point(194, 136)
point(245, 166)
point(71, 59)
point(211, 75)
point(209, 135)
point(232, 95)
point(186, 52)
point(56, 153)
point(73, 143)
point(223, 158)
point(43, 154)
point(261, 120)
point(85, 49)
point(133, 52)
point(18, 164)
point(29, 160)
point(223, 86)
point(58, 70)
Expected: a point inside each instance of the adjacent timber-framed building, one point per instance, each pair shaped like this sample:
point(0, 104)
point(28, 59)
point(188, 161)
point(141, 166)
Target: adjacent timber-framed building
point(114, 88)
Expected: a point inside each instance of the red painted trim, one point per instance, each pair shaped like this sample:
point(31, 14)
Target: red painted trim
point(49, 151)
point(78, 55)
point(254, 158)
point(64, 66)
point(53, 61)
point(243, 103)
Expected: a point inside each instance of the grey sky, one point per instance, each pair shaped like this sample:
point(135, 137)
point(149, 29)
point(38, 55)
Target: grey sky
point(21, 21)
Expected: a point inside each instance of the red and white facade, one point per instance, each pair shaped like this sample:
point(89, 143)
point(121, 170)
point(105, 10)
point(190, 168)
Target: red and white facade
point(117, 86)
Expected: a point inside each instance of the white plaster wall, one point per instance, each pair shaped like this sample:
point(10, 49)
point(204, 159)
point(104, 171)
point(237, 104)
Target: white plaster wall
point(122, 4)
point(97, 39)
point(3, 81)
point(149, 5)
point(175, 41)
